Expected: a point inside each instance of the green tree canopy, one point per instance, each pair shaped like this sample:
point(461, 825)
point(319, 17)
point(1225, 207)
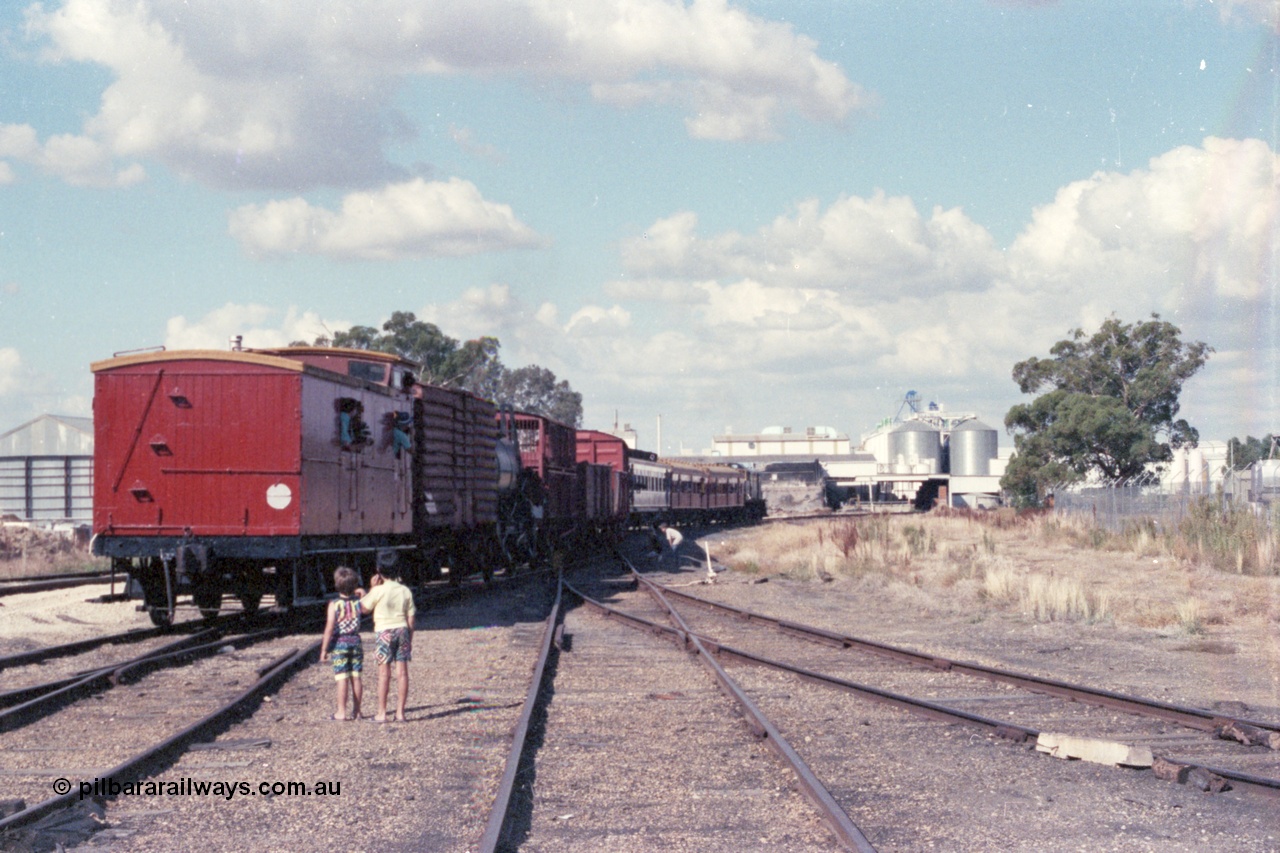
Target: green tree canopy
point(1242, 454)
point(470, 365)
point(535, 389)
point(443, 360)
point(1110, 405)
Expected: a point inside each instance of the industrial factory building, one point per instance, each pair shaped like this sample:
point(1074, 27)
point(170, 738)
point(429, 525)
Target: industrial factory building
point(936, 458)
point(781, 441)
point(923, 457)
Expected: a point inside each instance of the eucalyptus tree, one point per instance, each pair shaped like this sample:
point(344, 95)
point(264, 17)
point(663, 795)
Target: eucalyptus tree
point(1108, 405)
point(472, 365)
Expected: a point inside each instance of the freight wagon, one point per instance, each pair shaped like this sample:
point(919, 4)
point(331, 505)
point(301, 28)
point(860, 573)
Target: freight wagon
point(259, 471)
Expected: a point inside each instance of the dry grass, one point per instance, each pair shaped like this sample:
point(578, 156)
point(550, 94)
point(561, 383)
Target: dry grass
point(1038, 565)
point(32, 552)
point(1191, 615)
point(1054, 599)
point(1001, 584)
point(35, 566)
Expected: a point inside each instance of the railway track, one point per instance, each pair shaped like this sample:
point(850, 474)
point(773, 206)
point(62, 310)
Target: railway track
point(500, 827)
point(129, 730)
point(639, 749)
point(18, 586)
point(535, 731)
point(25, 705)
point(994, 701)
point(438, 592)
point(511, 818)
point(145, 727)
point(1028, 707)
point(11, 662)
point(760, 725)
point(1176, 735)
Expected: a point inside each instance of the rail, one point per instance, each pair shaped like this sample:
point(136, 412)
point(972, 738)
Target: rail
point(135, 768)
point(1190, 717)
point(495, 830)
point(846, 831)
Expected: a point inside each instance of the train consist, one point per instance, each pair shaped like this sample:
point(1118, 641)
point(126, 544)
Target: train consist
point(254, 472)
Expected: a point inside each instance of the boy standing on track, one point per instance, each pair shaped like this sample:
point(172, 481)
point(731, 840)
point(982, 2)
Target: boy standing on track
point(347, 654)
point(391, 604)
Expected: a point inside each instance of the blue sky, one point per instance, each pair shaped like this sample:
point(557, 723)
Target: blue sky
point(732, 215)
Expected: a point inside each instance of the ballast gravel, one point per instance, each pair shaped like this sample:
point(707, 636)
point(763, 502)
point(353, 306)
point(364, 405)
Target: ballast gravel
point(643, 752)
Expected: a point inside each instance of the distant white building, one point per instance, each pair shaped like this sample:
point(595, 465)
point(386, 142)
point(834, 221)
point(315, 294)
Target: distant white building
point(782, 441)
point(954, 451)
point(924, 455)
point(1197, 469)
point(1264, 483)
point(627, 433)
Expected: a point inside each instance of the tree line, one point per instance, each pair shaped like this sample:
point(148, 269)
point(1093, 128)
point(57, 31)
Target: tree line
point(1242, 454)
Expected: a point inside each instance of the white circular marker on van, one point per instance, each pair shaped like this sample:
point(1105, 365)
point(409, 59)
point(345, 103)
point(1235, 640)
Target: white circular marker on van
point(279, 496)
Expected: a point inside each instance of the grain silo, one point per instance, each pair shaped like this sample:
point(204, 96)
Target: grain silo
point(915, 447)
point(973, 446)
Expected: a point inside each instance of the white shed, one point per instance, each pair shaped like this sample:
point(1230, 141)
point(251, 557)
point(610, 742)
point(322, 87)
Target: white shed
point(46, 469)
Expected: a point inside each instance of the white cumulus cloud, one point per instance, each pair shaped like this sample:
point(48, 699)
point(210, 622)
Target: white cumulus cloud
point(414, 219)
point(257, 325)
point(79, 160)
point(593, 320)
point(289, 94)
point(878, 247)
point(1194, 232)
point(868, 295)
point(528, 332)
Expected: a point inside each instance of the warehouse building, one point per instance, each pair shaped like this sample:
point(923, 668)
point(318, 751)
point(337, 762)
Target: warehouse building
point(46, 470)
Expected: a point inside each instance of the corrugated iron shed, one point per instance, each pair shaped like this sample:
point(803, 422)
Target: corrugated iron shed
point(46, 469)
point(49, 435)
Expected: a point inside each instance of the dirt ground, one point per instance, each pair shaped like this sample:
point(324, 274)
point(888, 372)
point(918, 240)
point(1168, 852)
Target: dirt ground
point(38, 619)
point(963, 590)
point(1033, 597)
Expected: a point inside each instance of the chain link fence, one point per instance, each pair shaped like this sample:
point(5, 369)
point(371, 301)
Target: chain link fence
point(1115, 504)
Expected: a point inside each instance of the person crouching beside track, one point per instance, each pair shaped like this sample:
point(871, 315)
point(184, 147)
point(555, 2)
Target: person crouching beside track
point(674, 538)
point(391, 604)
point(347, 654)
